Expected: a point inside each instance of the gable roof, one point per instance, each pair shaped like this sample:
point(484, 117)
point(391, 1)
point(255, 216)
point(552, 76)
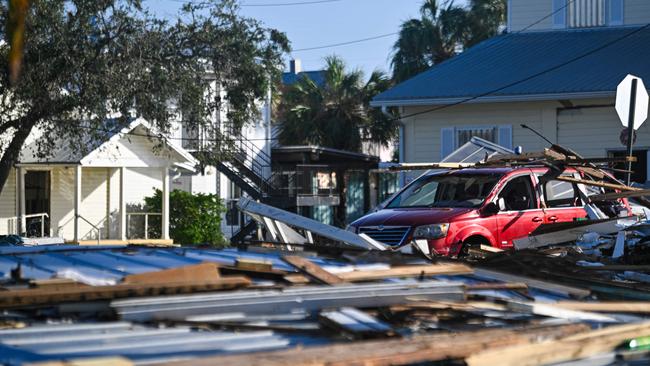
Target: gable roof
point(500, 63)
point(109, 148)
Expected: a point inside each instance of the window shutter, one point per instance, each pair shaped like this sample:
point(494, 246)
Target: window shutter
point(447, 141)
point(559, 13)
point(615, 12)
point(505, 136)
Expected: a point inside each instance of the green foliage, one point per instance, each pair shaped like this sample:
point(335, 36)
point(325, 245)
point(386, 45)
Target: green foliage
point(85, 60)
point(193, 219)
point(432, 39)
point(336, 114)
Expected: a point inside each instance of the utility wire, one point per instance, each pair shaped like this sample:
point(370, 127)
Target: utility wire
point(264, 5)
point(345, 43)
point(586, 54)
point(574, 59)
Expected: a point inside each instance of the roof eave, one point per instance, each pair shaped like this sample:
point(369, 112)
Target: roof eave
point(491, 99)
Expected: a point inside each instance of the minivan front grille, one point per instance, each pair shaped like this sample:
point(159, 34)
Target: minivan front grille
point(390, 235)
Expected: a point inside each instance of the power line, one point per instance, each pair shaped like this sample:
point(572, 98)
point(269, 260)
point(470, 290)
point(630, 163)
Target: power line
point(346, 43)
point(298, 3)
point(290, 4)
point(579, 57)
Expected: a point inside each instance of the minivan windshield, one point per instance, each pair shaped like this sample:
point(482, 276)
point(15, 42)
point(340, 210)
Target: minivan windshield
point(447, 190)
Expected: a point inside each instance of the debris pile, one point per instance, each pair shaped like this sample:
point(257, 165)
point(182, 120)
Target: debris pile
point(312, 305)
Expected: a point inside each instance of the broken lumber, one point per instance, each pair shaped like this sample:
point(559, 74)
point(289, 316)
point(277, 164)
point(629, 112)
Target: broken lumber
point(618, 195)
point(416, 349)
point(195, 273)
point(569, 348)
point(312, 270)
point(394, 272)
point(247, 264)
point(640, 307)
point(596, 183)
point(41, 297)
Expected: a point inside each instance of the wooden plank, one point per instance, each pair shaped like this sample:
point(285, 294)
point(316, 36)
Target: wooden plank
point(640, 307)
point(93, 361)
point(596, 183)
point(248, 264)
point(394, 272)
point(407, 271)
point(561, 350)
point(313, 270)
point(195, 273)
point(39, 297)
point(410, 350)
point(618, 195)
point(545, 154)
point(56, 283)
point(533, 283)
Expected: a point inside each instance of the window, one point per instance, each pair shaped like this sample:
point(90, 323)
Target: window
point(586, 13)
point(447, 190)
point(453, 138)
point(518, 194)
point(558, 193)
point(463, 135)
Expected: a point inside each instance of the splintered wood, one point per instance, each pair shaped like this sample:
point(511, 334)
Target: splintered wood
point(411, 350)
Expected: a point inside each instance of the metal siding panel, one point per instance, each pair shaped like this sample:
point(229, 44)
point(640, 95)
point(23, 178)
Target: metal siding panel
point(447, 141)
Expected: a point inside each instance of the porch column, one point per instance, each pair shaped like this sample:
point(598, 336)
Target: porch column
point(165, 204)
point(77, 201)
point(20, 205)
point(122, 204)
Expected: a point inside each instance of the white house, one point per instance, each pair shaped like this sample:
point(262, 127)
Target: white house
point(93, 197)
point(555, 70)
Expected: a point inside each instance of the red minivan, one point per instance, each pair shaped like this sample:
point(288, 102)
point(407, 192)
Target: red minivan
point(452, 210)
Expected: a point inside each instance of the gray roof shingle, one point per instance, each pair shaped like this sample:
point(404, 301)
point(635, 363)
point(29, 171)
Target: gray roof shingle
point(501, 62)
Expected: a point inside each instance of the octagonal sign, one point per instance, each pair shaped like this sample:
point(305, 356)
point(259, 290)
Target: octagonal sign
point(624, 97)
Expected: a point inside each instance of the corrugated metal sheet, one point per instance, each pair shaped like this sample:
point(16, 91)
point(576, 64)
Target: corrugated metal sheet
point(113, 263)
point(509, 58)
point(139, 343)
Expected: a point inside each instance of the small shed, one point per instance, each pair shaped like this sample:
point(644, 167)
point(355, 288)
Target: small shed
point(95, 197)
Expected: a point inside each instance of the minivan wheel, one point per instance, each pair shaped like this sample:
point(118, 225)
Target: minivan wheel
point(472, 242)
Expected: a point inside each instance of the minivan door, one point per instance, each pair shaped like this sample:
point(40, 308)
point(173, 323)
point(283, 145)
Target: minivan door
point(562, 202)
point(522, 213)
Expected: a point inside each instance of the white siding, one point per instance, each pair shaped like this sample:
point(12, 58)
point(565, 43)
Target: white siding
point(593, 131)
point(8, 205)
point(140, 183)
point(62, 202)
point(523, 13)
point(422, 132)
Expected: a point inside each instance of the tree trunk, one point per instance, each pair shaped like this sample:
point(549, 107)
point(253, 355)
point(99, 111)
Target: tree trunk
point(12, 153)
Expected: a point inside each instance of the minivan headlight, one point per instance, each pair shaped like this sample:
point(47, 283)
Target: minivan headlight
point(434, 231)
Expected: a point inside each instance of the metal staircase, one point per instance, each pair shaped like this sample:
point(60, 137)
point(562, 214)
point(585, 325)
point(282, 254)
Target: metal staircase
point(249, 168)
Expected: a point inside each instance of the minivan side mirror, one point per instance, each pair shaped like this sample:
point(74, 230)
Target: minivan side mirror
point(494, 208)
point(490, 209)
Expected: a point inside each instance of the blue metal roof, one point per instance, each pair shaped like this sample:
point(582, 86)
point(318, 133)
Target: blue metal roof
point(318, 77)
point(500, 63)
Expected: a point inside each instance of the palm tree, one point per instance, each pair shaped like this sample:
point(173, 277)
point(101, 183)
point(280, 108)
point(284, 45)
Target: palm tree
point(434, 37)
point(335, 114)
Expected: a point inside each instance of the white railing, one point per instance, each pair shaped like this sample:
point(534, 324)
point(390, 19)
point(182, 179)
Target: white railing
point(12, 223)
point(146, 222)
point(99, 231)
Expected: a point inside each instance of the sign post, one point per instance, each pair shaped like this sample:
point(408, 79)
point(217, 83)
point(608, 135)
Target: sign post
point(632, 108)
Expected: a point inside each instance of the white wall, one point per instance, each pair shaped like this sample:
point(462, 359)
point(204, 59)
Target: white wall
point(8, 205)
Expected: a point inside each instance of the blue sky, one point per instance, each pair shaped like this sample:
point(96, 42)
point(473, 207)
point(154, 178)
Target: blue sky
point(328, 23)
